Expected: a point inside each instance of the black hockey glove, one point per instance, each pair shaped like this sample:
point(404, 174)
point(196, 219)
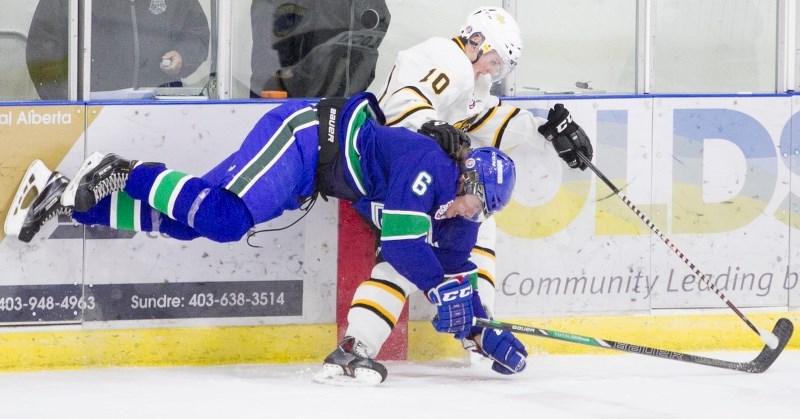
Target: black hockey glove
point(450, 138)
point(567, 136)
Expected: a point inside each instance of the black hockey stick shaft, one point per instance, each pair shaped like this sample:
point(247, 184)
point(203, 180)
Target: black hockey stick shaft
point(783, 329)
point(765, 336)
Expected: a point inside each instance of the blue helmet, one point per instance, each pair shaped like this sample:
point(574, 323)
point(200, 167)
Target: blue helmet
point(490, 174)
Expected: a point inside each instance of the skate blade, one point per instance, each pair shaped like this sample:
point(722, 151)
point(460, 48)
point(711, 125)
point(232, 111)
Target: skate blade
point(473, 358)
point(35, 178)
point(68, 197)
point(334, 375)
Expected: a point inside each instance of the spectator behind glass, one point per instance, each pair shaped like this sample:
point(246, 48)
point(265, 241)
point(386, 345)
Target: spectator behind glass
point(311, 48)
point(135, 43)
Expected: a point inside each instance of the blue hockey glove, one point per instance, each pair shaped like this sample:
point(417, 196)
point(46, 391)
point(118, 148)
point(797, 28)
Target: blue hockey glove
point(501, 346)
point(453, 300)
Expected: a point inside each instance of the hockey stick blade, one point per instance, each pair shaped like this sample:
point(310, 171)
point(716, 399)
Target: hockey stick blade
point(783, 331)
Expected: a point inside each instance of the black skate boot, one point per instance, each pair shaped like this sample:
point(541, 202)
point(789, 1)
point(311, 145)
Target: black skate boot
point(98, 177)
point(350, 365)
point(25, 221)
point(46, 206)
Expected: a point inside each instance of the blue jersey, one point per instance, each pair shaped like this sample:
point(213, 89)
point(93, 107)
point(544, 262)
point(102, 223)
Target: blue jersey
point(403, 182)
point(407, 182)
point(273, 169)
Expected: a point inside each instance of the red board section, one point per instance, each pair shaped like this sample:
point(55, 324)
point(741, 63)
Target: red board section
point(355, 262)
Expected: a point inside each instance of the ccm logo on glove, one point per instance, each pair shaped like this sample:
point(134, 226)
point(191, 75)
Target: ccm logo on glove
point(453, 300)
point(563, 124)
point(457, 294)
point(568, 138)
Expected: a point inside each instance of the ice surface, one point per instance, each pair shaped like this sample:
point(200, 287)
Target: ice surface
point(613, 386)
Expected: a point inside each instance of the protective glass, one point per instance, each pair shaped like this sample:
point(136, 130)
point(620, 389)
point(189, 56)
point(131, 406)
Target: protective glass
point(499, 64)
point(503, 69)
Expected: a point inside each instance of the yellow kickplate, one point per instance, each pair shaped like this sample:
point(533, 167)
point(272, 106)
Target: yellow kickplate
point(30, 351)
point(681, 333)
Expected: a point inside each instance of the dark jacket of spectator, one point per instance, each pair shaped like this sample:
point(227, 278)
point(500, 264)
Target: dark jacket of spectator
point(312, 48)
point(130, 38)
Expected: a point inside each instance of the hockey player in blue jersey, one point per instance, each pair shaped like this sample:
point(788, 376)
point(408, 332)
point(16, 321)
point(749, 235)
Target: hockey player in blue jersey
point(423, 201)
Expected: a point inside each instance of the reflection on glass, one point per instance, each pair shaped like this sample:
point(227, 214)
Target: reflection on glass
point(47, 49)
point(135, 44)
point(309, 48)
point(582, 46)
point(714, 46)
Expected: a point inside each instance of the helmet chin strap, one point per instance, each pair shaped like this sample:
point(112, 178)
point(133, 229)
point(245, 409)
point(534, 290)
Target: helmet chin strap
point(477, 46)
point(477, 57)
point(480, 51)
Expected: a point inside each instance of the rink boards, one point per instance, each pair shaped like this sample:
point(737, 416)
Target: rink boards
point(716, 174)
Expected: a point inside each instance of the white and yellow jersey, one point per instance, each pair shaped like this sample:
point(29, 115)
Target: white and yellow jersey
point(434, 80)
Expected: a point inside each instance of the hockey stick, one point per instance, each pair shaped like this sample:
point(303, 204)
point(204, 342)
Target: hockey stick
point(767, 337)
point(783, 330)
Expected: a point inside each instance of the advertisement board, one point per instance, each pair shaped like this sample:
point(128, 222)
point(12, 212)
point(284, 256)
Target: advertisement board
point(715, 175)
point(99, 275)
point(41, 282)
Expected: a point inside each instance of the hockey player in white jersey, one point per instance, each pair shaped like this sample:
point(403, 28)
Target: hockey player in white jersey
point(450, 80)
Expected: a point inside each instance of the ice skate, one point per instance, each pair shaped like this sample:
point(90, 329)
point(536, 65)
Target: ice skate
point(99, 176)
point(49, 186)
point(473, 356)
point(349, 365)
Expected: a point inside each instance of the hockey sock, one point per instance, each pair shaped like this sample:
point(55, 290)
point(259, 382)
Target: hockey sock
point(377, 305)
point(121, 212)
point(212, 212)
point(118, 211)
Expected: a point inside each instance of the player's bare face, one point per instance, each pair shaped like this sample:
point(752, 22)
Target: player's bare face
point(467, 206)
point(489, 64)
